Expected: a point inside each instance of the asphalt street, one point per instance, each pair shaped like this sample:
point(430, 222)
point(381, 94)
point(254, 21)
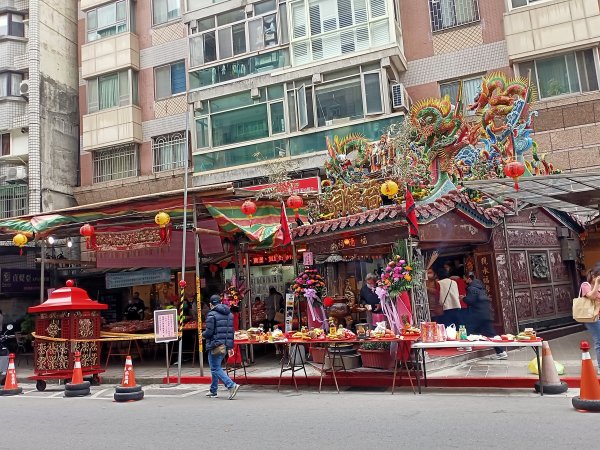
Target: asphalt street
point(262, 418)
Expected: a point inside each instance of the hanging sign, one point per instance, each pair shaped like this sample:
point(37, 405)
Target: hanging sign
point(165, 325)
point(289, 311)
point(308, 258)
point(138, 278)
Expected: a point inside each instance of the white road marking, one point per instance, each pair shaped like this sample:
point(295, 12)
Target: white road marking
point(100, 392)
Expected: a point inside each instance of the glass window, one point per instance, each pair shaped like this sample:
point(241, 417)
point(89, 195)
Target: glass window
point(277, 118)
point(302, 108)
point(231, 16)
point(11, 24)
point(164, 11)
point(107, 20)
point(112, 90)
point(3, 24)
point(373, 99)
point(115, 163)
point(339, 102)
point(519, 3)
point(169, 152)
point(471, 88)
point(240, 125)
point(10, 84)
point(239, 39)
point(275, 92)
point(108, 91)
point(225, 43)
point(563, 74)
point(265, 7)
point(451, 13)
point(202, 132)
point(169, 80)
point(5, 144)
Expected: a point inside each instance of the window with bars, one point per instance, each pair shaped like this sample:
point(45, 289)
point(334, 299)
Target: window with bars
point(452, 13)
point(169, 152)
point(471, 88)
point(13, 200)
point(115, 163)
point(324, 29)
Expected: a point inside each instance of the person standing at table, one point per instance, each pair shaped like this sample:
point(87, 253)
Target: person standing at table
point(449, 298)
point(591, 290)
point(219, 336)
point(369, 298)
point(481, 311)
point(274, 304)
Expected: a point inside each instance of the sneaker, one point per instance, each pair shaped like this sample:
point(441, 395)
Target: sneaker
point(233, 391)
point(502, 355)
point(211, 394)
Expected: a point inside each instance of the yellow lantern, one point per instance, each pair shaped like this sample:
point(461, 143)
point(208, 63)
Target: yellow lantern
point(20, 240)
point(162, 219)
point(389, 188)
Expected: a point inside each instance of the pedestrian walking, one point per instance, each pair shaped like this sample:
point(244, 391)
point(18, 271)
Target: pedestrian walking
point(481, 311)
point(219, 342)
point(591, 290)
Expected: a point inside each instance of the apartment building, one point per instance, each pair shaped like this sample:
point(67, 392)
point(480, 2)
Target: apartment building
point(38, 106)
point(272, 79)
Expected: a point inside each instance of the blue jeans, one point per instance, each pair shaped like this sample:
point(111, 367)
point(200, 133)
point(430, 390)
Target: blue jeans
point(594, 329)
point(217, 373)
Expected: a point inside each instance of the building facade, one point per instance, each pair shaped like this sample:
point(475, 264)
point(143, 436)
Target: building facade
point(272, 79)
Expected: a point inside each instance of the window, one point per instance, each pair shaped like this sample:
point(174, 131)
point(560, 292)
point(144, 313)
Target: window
point(11, 24)
point(471, 88)
point(452, 13)
point(339, 102)
point(324, 29)
point(5, 144)
point(10, 84)
point(240, 118)
point(233, 33)
point(519, 3)
point(169, 152)
point(169, 80)
point(570, 73)
point(164, 11)
point(107, 20)
point(115, 163)
point(13, 200)
point(112, 90)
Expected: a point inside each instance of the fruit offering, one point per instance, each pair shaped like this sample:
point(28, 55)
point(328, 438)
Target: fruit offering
point(527, 335)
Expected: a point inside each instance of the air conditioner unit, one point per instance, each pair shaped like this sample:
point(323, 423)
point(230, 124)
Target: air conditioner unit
point(16, 174)
point(24, 88)
point(400, 98)
point(254, 93)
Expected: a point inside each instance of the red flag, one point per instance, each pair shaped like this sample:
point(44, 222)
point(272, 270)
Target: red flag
point(285, 227)
point(411, 215)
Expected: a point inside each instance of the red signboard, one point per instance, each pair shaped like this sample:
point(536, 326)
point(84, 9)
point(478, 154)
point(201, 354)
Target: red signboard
point(299, 186)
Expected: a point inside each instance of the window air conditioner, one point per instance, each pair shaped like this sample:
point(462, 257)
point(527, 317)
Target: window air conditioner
point(16, 174)
point(400, 98)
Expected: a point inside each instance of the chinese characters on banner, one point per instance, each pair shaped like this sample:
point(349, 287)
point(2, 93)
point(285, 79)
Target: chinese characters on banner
point(165, 325)
point(486, 272)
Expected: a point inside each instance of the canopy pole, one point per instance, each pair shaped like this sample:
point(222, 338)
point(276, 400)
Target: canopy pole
point(197, 254)
point(42, 270)
point(510, 274)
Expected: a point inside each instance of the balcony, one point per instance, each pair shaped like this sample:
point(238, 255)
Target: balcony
point(551, 27)
point(110, 54)
point(112, 127)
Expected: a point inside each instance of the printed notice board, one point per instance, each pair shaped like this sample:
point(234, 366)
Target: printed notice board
point(165, 325)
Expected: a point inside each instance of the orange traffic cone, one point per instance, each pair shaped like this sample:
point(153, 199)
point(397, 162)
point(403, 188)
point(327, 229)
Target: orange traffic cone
point(10, 385)
point(128, 390)
point(552, 384)
point(589, 394)
point(77, 387)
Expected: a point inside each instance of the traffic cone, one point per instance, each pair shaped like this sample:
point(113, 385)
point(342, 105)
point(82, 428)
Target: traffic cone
point(589, 394)
point(10, 385)
point(128, 390)
point(77, 387)
point(552, 384)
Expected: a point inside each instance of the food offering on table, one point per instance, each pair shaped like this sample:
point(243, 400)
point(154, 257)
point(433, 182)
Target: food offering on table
point(407, 328)
point(241, 335)
point(382, 332)
point(503, 338)
point(277, 335)
point(255, 334)
point(362, 330)
point(340, 333)
point(130, 326)
point(309, 335)
point(527, 335)
point(476, 337)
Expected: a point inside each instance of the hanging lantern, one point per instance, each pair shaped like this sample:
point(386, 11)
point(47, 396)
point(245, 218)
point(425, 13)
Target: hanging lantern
point(249, 208)
point(182, 284)
point(224, 264)
point(213, 269)
point(20, 240)
point(295, 202)
point(162, 219)
point(514, 169)
point(389, 188)
point(87, 231)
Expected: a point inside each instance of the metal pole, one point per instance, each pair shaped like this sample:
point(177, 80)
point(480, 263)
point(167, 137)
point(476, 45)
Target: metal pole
point(184, 240)
point(197, 250)
point(42, 270)
point(249, 324)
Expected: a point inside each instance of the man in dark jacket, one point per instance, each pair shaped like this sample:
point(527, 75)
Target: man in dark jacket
point(481, 312)
point(219, 341)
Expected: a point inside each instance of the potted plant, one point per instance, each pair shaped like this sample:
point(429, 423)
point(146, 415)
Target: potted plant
point(376, 355)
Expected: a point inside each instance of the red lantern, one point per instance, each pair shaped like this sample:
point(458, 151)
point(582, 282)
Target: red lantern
point(249, 208)
point(295, 202)
point(224, 264)
point(514, 170)
point(182, 284)
point(328, 302)
point(87, 231)
point(213, 268)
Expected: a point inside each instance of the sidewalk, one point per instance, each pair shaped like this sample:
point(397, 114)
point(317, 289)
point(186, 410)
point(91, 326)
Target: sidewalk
point(468, 369)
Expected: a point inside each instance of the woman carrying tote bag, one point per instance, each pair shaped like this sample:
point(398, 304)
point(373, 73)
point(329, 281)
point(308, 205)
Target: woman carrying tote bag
point(591, 290)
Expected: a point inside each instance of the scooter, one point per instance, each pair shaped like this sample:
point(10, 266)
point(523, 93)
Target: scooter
point(4, 352)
